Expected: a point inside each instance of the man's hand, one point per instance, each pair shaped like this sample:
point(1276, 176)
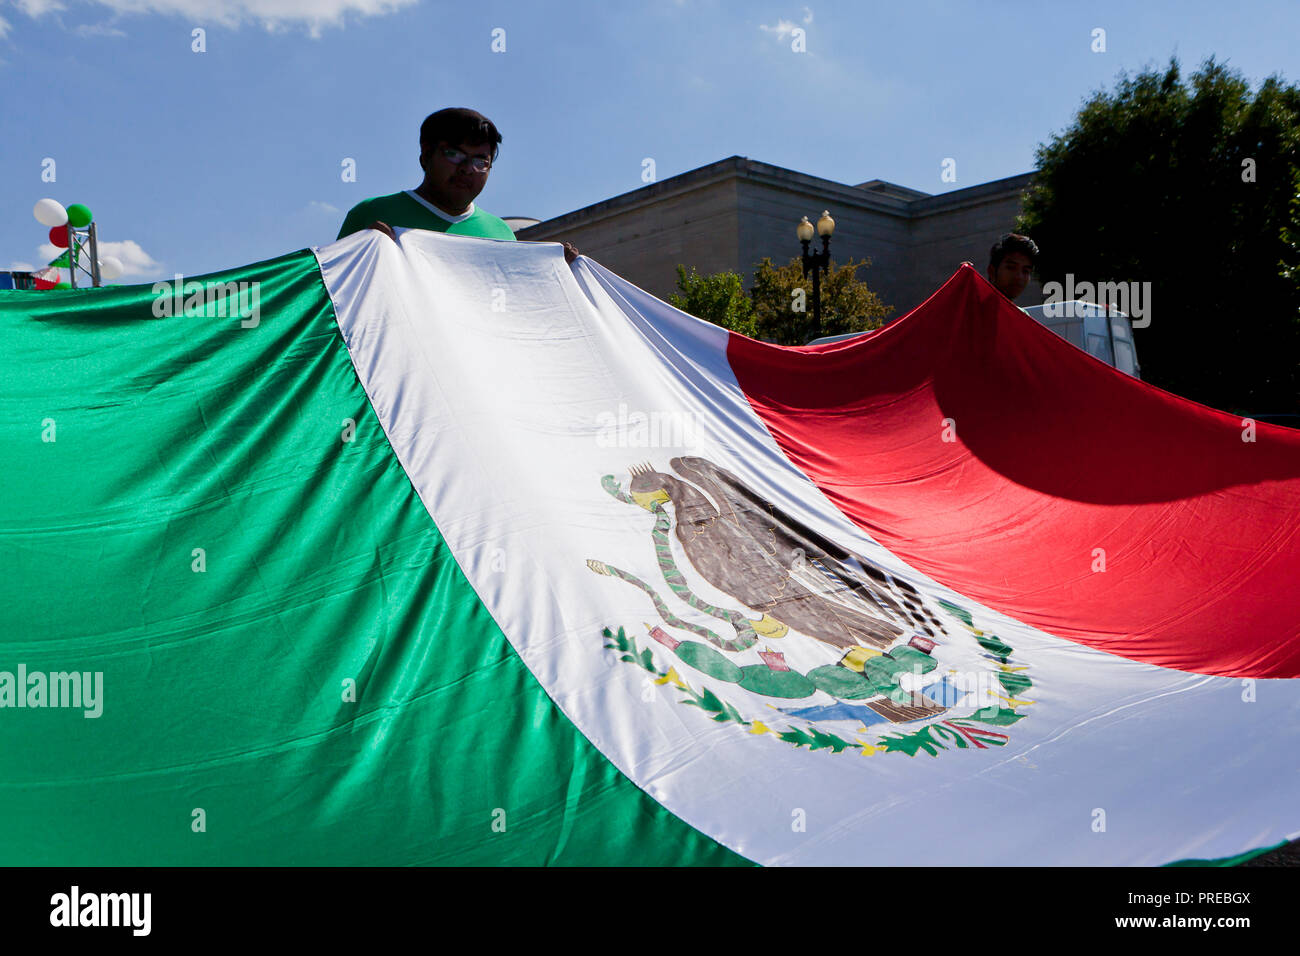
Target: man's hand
point(570, 252)
point(383, 227)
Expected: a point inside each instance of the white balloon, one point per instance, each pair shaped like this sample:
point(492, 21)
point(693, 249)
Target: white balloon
point(50, 212)
point(110, 267)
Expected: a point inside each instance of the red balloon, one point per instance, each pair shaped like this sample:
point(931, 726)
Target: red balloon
point(59, 236)
point(43, 284)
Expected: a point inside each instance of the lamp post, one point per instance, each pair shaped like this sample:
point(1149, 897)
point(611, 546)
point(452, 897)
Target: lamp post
point(816, 262)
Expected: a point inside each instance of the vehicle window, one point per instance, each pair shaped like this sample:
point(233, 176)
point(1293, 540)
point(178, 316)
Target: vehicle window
point(1099, 346)
point(1125, 360)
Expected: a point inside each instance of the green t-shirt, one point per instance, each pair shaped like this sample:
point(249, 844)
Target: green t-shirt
point(405, 211)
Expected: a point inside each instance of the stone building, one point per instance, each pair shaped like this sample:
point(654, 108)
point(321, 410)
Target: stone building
point(730, 214)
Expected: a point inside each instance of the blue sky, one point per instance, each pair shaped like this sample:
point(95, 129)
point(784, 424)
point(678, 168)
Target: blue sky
point(195, 162)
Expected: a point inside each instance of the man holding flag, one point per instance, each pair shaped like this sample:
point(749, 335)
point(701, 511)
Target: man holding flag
point(457, 149)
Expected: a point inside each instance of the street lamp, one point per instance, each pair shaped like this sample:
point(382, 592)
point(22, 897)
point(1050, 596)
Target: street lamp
point(816, 262)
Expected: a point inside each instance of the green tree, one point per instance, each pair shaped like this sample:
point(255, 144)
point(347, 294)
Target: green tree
point(783, 302)
point(719, 298)
point(1191, 187)
point(1291, 242)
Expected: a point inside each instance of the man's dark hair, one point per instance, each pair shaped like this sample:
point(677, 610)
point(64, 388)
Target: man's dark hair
point(1012, 242)
point(458, 125)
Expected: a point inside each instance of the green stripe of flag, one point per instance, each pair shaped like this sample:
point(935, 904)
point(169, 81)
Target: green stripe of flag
point(207, 512)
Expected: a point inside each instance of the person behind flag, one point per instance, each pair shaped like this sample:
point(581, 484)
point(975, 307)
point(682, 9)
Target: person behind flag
point(1011, 264)
point(457, 149)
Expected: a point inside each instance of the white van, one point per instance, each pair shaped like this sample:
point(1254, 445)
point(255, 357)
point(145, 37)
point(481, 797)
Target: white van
point(1103, 332)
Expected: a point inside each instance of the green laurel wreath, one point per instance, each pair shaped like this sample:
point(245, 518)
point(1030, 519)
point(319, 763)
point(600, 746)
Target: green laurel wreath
point(960, 733)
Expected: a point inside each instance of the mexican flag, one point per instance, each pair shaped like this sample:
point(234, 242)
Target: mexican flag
point(446, 552)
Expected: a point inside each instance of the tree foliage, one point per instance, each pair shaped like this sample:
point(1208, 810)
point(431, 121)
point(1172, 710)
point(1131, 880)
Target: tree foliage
point(780, 308)
point(848, 305)
point(1193, 188)
point(719, 298)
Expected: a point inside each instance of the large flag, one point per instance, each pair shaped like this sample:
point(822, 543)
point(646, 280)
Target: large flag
point(444, 551)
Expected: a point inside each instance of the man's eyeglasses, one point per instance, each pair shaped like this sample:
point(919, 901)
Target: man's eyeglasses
point(480, 164)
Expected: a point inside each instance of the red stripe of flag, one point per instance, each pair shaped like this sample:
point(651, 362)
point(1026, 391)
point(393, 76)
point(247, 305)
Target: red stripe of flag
point(1057, 462)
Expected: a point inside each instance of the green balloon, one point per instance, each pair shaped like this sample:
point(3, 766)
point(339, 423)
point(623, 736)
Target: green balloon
point(79, 215)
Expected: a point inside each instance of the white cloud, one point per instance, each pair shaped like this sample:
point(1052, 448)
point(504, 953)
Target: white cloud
point(272, 14)
point(782, 29)
point(785, 27)
point(135, 261)
point(16, 266)
point(317, 206)
point(4, 27)
point(36, 8)
point(97, 30)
